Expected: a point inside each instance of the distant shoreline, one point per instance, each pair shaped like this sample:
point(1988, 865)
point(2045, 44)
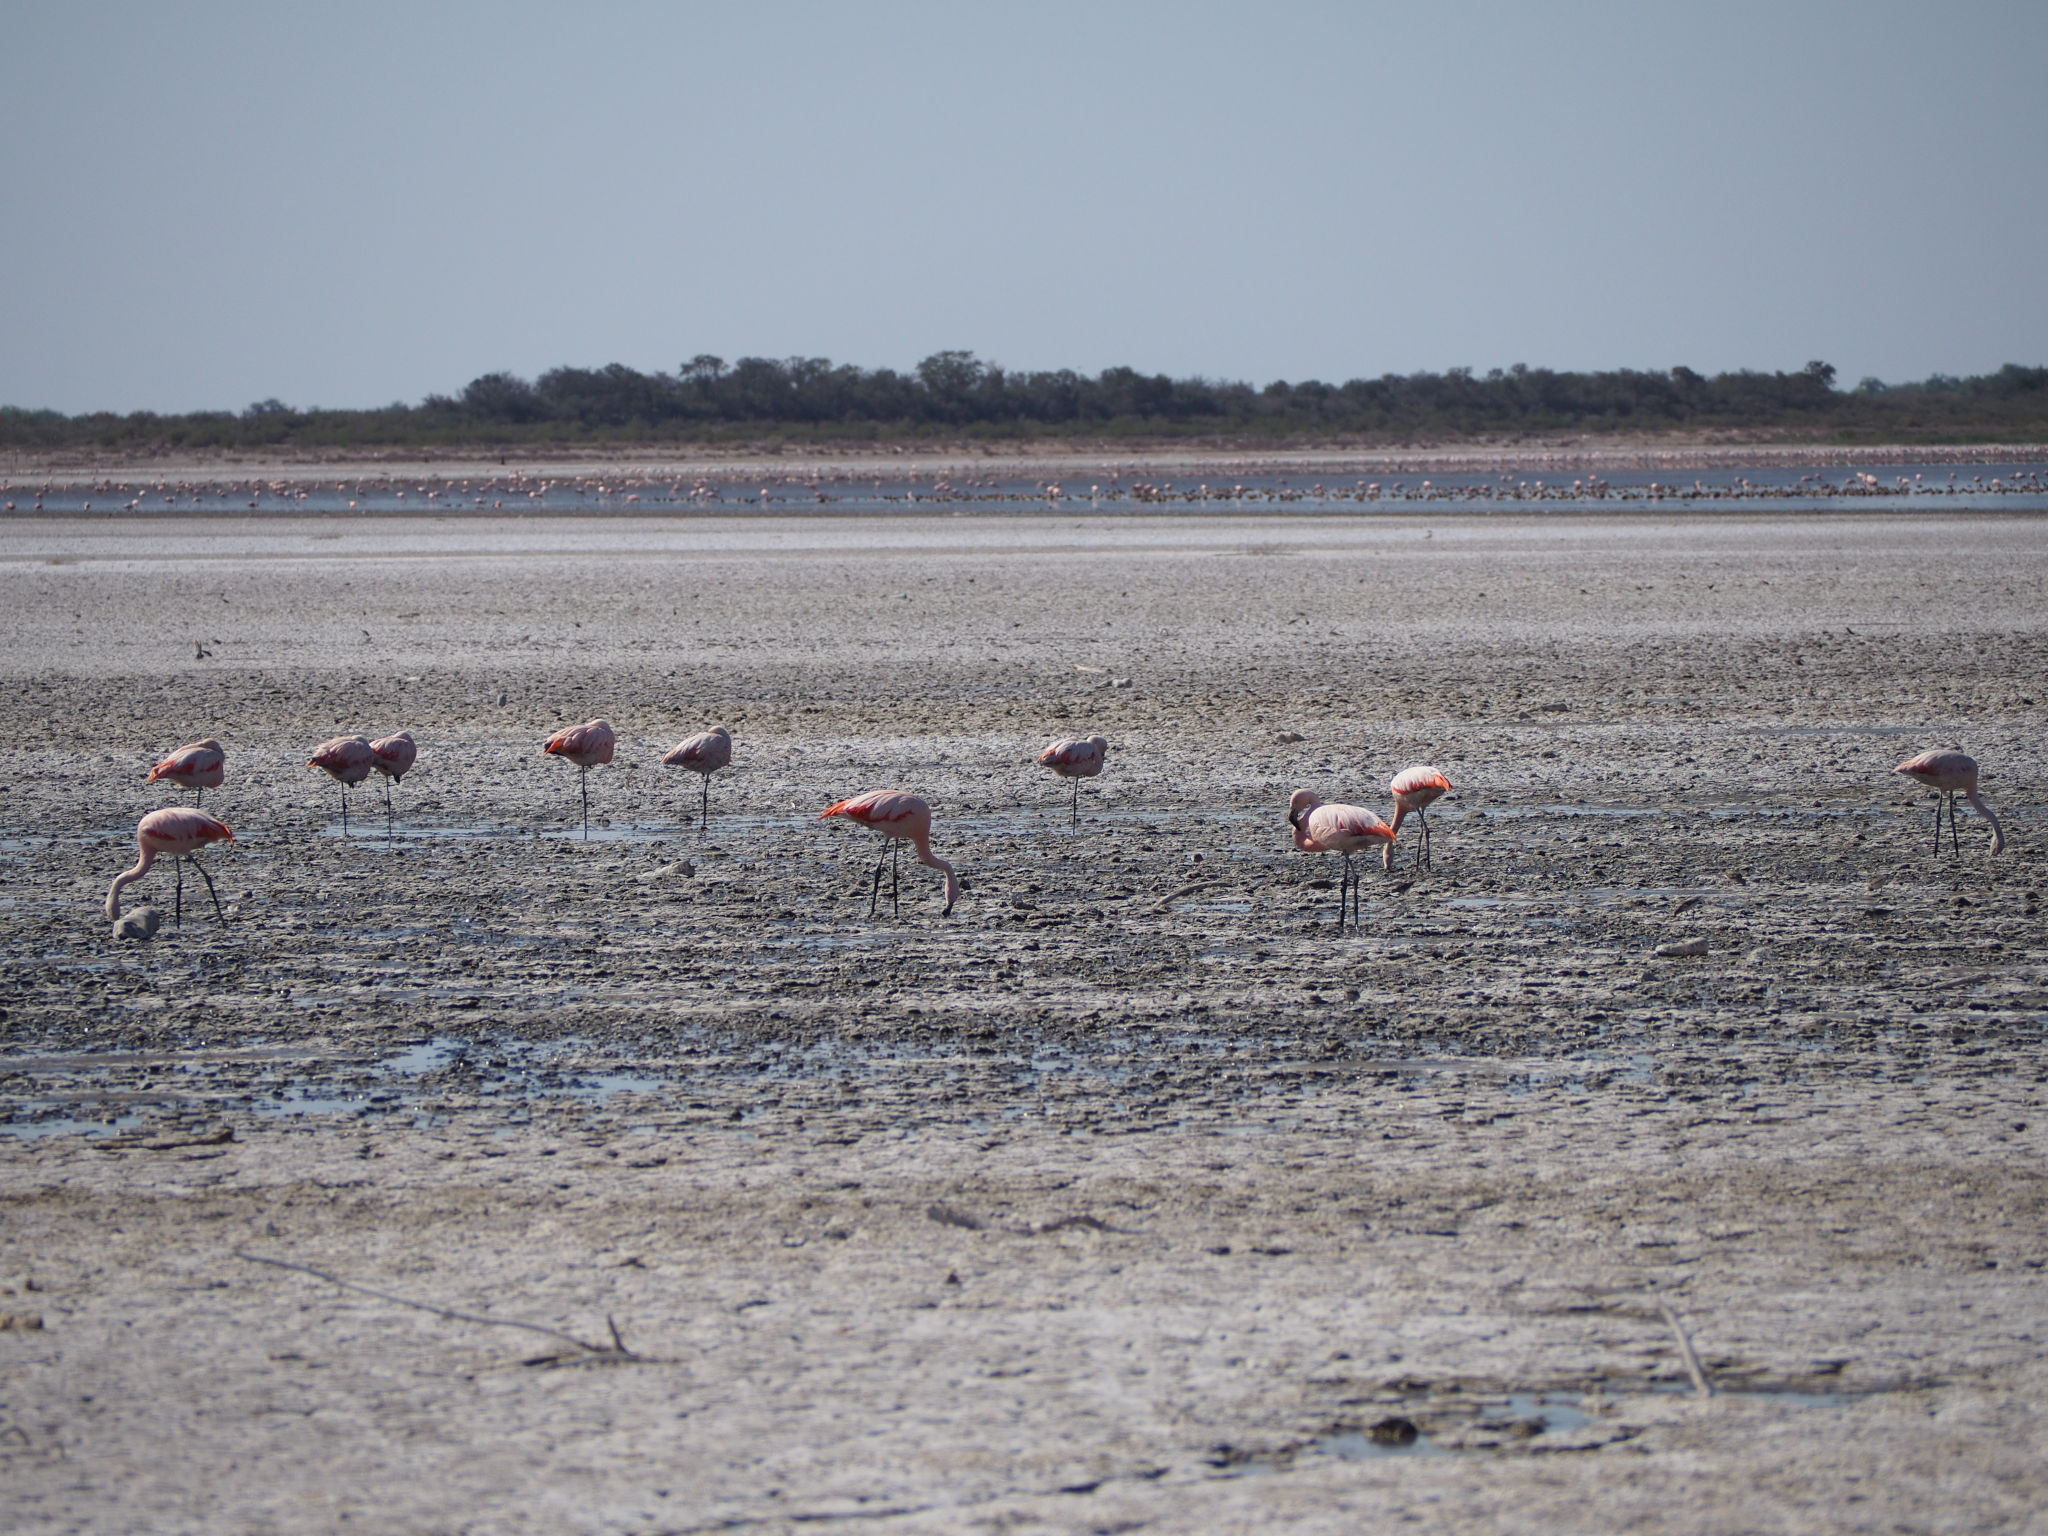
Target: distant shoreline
point(20, 469)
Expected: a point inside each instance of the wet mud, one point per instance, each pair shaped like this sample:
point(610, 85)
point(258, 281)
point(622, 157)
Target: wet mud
point(1132, 1195)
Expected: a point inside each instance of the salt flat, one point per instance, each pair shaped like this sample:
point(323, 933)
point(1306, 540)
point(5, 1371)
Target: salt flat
point(1129, 1196)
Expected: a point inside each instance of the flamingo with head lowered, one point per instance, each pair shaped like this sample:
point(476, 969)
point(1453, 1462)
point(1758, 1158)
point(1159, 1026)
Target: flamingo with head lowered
point(175, 832)
point(1345, 829)
point(1414, 791)
point(198, 766)
point(1949, 774)
point(902, 818)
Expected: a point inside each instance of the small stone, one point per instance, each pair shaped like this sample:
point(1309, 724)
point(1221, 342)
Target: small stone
point(139, 925)
point(1395, 1429)
point(1681, 949)
point(681, 869)
point(21, 1322)
point(1289, 736)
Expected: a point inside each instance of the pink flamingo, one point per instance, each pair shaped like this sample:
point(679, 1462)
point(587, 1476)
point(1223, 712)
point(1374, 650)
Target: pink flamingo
point(1948, 774)
point(1077, 759)
point(902, 818)
point(175, 832)
point(348, 760)
point(1414, 791)
point(705, 753)
point(1320, 828)
point(393, 756)
point(198, 766)
point(586, 745)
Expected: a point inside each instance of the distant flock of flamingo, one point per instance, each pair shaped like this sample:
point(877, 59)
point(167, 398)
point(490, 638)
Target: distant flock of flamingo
point(180, 832)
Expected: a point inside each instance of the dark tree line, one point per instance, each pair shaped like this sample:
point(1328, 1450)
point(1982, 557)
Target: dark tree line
point(955, 395)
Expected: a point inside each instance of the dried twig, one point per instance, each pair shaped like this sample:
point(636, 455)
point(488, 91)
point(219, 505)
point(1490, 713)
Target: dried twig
point(1700, 1384)
point(590, 1353)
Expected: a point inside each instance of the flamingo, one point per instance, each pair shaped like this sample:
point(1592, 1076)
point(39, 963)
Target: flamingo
point(348, 760)
point(705, 753)
point(1076, 759)
point(1414, 791)
point(901, 818)
point(175, 832)
point(197, 766)
point(1320, 828)
point(585, 745)
point(393, 756)
point(1947, 774)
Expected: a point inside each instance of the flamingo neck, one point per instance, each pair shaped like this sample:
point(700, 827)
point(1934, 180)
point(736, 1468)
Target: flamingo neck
point(931, 860)
point(1997, 832)
point(126, 878)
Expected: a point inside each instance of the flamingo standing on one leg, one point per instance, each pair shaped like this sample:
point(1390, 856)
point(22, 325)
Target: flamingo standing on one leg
point(1414, 791)
point(1320, 828)
point(175, 832)
point(586, 745)
point(902, 818)
point(705, 753)
point(393, 756)
point(348, 760)
point(1948, 774)
point(1076, 758)
point(198, 766)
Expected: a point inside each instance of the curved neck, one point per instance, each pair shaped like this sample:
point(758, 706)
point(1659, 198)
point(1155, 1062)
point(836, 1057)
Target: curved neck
point(1997, 832)
point(126, 878)
point(931, 860)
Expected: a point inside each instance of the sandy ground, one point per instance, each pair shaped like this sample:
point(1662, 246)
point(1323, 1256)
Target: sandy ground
point(1130, 1196)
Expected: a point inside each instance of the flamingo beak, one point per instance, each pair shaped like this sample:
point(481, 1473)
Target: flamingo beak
point(1294, 819)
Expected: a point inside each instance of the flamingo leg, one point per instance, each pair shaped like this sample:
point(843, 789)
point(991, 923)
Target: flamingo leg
point(704, 816)
point(179, 872)
point(875, 895)
point(583, 783)
point(344, 810)
point(1343, 887)
point(896, 877)
point(1955, 838)
point(211, 892)
point(389, 822)
point(1074, 819)
point(1428, 860)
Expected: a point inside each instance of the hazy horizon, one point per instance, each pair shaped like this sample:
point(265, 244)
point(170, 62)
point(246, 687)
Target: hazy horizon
point(227, 203)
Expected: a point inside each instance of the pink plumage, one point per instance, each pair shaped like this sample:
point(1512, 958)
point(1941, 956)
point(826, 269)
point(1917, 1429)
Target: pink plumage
point(586, 745)
point(393, 756)
point(704, 753)
point(1949, 774)
point(1345, 829)
point(1415, 790)
point(1077, 758)
point(175, 832)
point(200, 766)
point(347, 759)
point(905, 818)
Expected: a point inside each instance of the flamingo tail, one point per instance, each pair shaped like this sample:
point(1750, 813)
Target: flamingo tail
point(122, 881)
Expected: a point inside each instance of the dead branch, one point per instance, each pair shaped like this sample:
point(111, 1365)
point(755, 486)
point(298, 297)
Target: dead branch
point(589, 1354)
point(1700, 1384)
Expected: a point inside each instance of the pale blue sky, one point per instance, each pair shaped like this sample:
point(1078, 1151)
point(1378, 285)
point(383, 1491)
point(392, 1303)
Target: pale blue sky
point(202, 205)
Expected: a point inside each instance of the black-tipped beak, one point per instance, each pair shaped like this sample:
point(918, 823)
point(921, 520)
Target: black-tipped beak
point(1294, 819)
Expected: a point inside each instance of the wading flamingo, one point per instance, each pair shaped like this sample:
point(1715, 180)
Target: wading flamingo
point(1077, 759)
point(705, 753)
point(347, 760)
point(1948, 774)
point(393, 756)
point(585, 745)
point(902, 818)
point(1345, 829)
point(175, 832)
point(198, 766)
point(1414, 791)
